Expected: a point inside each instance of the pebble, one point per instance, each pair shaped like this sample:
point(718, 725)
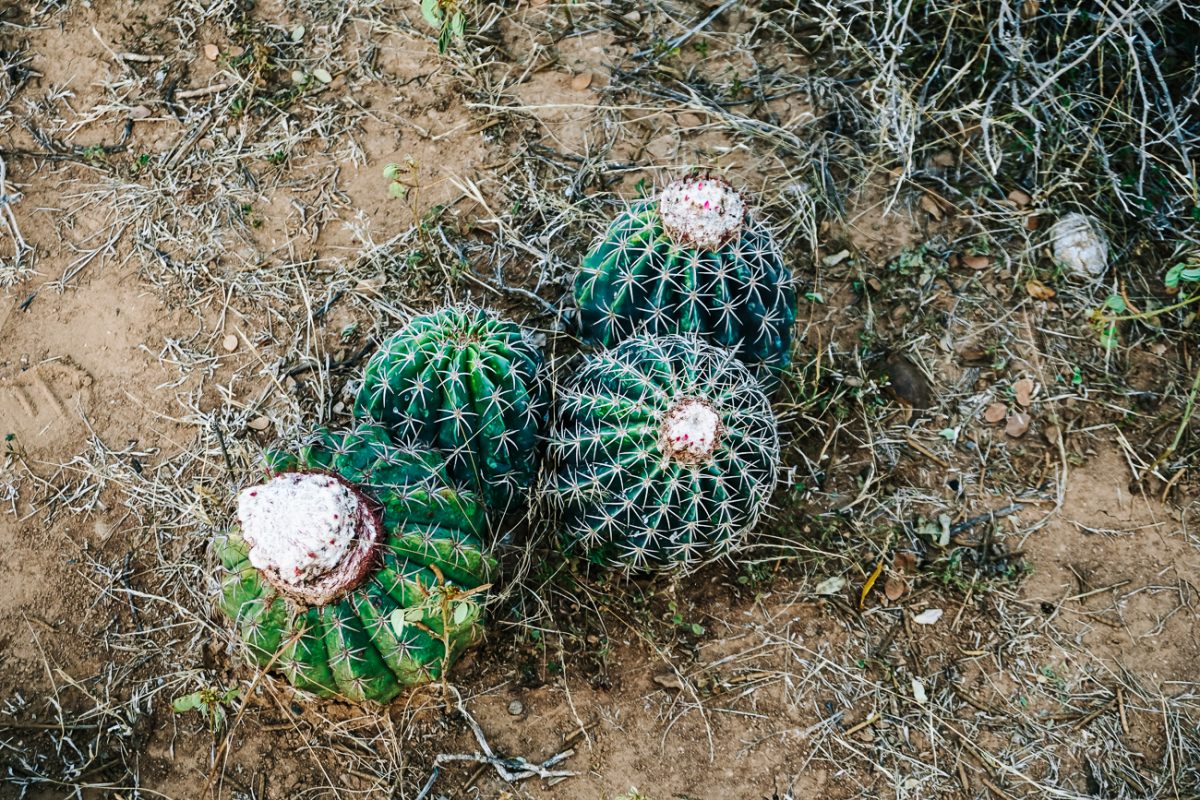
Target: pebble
point(230, 343)
point(139, 112)
point(1018, 424)
point(259, 424)
point(211, 51)
point(581, 81)
point(516, 708)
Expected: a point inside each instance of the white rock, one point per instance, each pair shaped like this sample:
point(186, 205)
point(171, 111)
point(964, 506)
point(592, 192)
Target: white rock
point(1079, 244)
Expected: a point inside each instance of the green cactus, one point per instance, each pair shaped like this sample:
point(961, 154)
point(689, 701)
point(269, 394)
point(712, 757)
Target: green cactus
point(471, 385)
point(402, 599)
point(691, 261)
point(663, 453)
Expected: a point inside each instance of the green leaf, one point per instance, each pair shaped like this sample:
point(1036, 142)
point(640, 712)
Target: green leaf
point(297, 33)
point(391, 171)
point(414, 614)
point(1115, 303)
point(431, 10)
point(462, 611)
point(458, 23)
point(398, 190)
point(189, 702)
point(697, 629)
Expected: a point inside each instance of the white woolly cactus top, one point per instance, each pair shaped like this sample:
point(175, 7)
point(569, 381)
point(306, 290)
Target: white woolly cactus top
point(1080, 245)
point(705, 213)
point(311, 534)
point(690, 430)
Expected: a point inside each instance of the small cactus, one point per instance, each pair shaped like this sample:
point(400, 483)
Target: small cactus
point(469, 384)
point(663, 454)
point(355, 569)
point(692, 261)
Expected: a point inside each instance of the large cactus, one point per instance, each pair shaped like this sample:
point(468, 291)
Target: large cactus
point(355, 570)
point(692, 261)
point(664, 452)
point(469, 384)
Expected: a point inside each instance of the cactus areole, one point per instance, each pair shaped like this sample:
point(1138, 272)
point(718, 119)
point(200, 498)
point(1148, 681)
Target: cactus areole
point(705, 213)
point(311, 535)
point(691, 429)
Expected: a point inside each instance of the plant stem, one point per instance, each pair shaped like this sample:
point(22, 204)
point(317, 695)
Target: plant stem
point(1183, 423)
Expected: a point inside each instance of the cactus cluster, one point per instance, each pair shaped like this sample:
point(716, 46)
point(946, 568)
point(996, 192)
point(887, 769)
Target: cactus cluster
point(694, 260)
point(358, 569)
point(354, 569)
point(664, 453)
point(469, 384)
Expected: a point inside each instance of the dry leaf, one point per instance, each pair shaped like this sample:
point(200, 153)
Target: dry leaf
point(918, 690)
point(139, 112)
point(259, 424)
point(930, 205)
point(211, 51)
point(944, 158)
point(581, 81)
point(1018, 423)
point(1023, 389)
point(1051, 433)
point(928, 617)
point(995, 413)
point(905, 562)
point(1038, 290)
point(866, 590)
point(894, 587)
point(689, 121)
point(977, 262)
point(1032, 222)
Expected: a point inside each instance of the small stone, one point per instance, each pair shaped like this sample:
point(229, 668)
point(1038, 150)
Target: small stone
point(996, 412)
point(259, 424)
point(1019, 199)
point(633, 16)
point(1038, 290)
point(1018, 424)
point(211, 51)
point(894, 587)
point(1051, 433)
point(836, 258)
point(516, 708)
point(322, 74)
point(237, 50)
point(339, 407)
point(230, 343)
point(945, 158)
point(207, 143)
point(139, 112)
point(689, 120)
point(977, 262)
point(581, 81)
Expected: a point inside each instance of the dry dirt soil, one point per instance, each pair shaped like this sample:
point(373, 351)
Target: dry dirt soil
point(212, 250)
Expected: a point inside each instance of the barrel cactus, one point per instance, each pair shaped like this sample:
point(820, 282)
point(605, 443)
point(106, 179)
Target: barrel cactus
point(469, 384)
point(663, 454)
point(692, 261)
point(356, 570)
